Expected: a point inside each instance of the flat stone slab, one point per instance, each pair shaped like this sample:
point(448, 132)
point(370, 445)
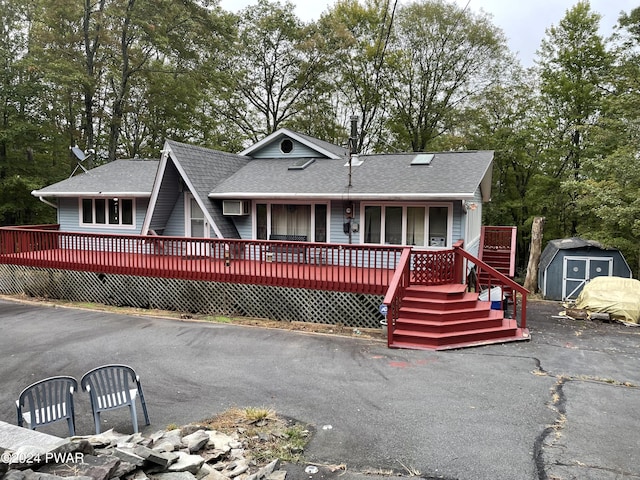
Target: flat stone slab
point(24, 442)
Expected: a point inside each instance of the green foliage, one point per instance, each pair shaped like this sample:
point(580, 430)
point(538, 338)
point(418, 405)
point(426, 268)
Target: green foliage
point(121, 76)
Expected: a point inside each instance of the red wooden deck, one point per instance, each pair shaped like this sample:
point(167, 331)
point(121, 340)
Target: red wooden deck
point(295, 272)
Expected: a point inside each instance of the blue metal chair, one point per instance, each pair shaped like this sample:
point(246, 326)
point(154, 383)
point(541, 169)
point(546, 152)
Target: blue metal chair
point(111, 387)
point(48, 401)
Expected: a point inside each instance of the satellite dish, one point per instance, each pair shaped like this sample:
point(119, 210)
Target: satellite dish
point(79, 154)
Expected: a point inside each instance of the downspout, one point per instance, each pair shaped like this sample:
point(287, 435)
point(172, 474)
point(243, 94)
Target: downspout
point(42, 199)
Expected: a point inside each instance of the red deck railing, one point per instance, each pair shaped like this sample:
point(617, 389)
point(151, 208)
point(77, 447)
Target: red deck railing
point(321, 266)
point(499, 238)
point(367, 269)
point(443, 267)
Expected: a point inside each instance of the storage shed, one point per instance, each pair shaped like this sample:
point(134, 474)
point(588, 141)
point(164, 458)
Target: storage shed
point(566, 265)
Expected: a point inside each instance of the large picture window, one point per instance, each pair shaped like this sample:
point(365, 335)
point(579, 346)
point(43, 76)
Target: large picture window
point(296, 220)
point(107, 211)
point(421, 226)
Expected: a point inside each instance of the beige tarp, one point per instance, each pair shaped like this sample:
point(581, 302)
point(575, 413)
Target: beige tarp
point(619, 297)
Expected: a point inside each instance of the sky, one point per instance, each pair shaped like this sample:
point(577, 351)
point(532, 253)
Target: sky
point(523, 21)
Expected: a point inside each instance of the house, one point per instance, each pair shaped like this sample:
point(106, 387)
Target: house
point(287, 186)
point(292, 228)
point(568, 264)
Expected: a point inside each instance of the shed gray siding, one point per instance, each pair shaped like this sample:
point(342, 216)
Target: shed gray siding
point(551, 276)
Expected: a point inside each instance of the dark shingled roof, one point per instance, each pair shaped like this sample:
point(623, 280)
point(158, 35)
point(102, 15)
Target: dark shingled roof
point(131, 177)
point(450, 175)
point(205, 168)
point(571, 243)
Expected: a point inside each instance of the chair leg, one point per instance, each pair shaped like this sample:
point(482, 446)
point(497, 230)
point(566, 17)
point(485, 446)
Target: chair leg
point(72, 431)
point(144, 409)
point(96, 420)
point(134, 417)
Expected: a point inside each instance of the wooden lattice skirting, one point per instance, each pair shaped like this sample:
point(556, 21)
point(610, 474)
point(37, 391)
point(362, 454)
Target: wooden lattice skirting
point(189, 296)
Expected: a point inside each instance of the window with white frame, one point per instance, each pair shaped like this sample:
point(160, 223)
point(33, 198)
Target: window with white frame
point(308, 220)
point(107, 211)
point(418, 225)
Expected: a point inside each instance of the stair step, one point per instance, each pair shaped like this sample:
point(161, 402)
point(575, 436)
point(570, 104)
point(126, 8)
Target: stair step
point(465, 300)
point(447, 291)
point(430, 325)
point(479, 310)
point(508, 331)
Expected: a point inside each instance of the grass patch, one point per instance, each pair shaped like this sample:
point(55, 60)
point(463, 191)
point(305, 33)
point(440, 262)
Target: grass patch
point(264, 433)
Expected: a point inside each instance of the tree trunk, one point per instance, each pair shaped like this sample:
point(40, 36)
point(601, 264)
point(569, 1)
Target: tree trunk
point(531, 280)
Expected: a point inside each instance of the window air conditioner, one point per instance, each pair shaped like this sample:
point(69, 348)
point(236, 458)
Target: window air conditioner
point(235, 207)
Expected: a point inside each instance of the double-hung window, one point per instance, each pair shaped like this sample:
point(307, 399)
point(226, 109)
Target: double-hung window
point(107, 211)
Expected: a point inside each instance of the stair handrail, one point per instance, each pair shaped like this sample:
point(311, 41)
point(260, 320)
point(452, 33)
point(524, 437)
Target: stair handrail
point(397, 287)
point(500, 279)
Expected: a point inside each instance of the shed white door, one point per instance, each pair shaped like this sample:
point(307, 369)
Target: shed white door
point(577, 271)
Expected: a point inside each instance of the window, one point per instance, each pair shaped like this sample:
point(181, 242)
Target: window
point(372, 224)
point(112, 211)
point(407, 225)
point(304, 220)
point(291, 220)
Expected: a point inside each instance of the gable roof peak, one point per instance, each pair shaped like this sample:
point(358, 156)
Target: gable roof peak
point(322, 147)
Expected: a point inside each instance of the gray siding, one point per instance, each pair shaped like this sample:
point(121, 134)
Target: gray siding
point(337, 221)
point(244, 224)
point(273, 151)
point(175, 222)
point(167, 199)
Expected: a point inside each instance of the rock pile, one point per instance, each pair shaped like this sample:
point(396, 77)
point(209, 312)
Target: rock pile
point(190, 453)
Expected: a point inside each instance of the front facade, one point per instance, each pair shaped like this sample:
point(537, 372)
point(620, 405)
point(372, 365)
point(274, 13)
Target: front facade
point(288, 187)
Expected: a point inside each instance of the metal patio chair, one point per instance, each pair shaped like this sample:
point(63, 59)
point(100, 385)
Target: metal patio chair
point(47, 401)
point(111, 387)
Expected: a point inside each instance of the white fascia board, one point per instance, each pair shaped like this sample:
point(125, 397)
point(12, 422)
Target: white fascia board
point(290, 134)
point(156, 188)
point(342, 196)
point(38, 193)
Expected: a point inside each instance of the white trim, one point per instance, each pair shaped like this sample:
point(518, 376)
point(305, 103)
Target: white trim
point(587, 272)
point(312, 205)
point(107, 225)
point(38, 193)
point(188, 196)
point(426, 206)
point(441, 197)
point(156, 189)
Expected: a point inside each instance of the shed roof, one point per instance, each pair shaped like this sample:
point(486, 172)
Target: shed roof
point(573, 243)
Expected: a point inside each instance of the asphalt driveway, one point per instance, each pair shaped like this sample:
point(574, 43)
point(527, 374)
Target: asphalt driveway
point(563, 405)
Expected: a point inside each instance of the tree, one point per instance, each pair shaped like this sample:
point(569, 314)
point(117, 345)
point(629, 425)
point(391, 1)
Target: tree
point(609, 201)
point(276, 65)
point(357, 38)
point(442, 56)
point(573, 65)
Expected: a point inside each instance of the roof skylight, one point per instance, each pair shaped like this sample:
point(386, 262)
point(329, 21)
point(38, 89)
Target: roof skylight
point(422, 159)
point(302, 163)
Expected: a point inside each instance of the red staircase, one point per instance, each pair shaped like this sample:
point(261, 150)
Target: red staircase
point(447, 316)
point(498, 249)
